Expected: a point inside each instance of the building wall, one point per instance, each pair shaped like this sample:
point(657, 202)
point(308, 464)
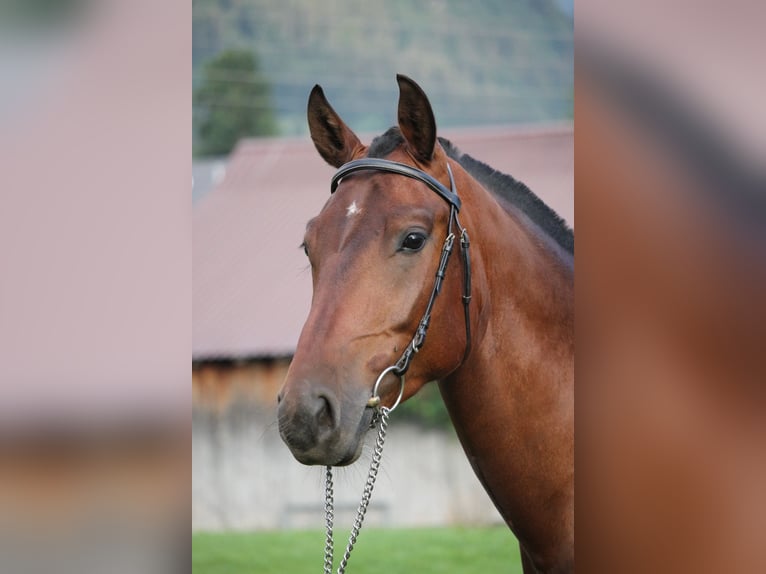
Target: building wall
point(244, 477)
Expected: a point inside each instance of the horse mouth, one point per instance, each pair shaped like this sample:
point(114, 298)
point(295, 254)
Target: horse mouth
point(337, 449)
point(361, 432)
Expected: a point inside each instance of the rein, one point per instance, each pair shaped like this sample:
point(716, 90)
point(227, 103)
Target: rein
point(381, 413)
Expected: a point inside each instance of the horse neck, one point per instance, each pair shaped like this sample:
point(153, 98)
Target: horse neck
point(524, 291)
point(511, 401)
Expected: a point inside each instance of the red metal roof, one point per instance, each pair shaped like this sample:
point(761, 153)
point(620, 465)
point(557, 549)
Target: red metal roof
point(251, 286)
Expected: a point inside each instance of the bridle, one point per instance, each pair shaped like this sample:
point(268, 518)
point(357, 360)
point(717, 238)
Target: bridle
point(400, 367)
point(451, 197)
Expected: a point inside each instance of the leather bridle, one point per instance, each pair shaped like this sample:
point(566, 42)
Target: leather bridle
point(451, 197)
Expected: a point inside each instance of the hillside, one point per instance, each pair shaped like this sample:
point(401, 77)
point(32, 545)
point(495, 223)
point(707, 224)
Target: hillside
point(481, 62)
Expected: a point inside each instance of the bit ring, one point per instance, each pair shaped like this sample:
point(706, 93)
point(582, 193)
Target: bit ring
point(374, 401)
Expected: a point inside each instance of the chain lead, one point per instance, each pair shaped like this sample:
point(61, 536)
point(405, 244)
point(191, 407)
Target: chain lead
point(329, 516)
point(372, 475)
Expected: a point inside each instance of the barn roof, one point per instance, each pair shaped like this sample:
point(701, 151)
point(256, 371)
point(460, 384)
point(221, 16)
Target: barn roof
point(206, 175)
point(251, 286)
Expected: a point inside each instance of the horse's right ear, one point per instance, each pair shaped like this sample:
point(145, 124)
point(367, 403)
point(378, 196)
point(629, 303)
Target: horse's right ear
point(334, 141)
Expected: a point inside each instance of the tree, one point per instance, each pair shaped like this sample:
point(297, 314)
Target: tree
point(232, 101)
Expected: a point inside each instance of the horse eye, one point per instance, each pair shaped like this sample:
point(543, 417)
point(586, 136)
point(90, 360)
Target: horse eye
point(305, 248)
point(413, 241)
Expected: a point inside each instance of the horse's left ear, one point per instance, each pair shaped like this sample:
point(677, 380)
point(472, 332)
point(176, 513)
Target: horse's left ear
point(416, 119)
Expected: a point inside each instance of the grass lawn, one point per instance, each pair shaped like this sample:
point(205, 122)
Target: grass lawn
point(377, 551)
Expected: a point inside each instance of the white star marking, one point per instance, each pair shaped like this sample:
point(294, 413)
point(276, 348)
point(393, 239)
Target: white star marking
point(352, 209)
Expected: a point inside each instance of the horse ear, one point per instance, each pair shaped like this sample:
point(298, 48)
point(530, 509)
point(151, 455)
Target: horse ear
point(416, 119)
point(334, 141)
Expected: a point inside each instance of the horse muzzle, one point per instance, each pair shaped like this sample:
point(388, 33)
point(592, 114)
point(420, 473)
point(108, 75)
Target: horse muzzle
point(321, 429)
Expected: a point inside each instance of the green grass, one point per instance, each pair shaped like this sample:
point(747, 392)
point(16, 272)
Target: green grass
point(377, 551)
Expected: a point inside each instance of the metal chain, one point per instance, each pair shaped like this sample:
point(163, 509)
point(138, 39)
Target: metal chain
point(366, 496)
point(329, 516)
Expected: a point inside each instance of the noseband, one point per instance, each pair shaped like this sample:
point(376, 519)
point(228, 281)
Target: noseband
point(451, 197)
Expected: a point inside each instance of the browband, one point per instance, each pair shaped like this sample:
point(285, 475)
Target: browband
point(368, 163)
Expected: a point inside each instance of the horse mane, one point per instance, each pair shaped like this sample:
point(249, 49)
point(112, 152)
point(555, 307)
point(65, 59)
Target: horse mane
point(500, 184)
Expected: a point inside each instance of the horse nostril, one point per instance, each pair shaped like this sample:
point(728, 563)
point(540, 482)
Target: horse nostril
point(324, 414)
point(279, 397)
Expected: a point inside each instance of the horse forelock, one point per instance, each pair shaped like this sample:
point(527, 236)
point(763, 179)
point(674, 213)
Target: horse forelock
point(385, 144)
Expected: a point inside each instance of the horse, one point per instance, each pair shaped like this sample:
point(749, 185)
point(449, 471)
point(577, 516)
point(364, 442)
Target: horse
point(501, 331)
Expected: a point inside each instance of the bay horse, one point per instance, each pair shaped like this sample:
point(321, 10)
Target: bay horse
point(501, 338)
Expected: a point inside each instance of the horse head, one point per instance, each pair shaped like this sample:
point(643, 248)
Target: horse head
point(374, 249)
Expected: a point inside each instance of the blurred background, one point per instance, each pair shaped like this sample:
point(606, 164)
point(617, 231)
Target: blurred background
point(95, 296)
point(671, 271)
point(486, 63)
point(499, 76)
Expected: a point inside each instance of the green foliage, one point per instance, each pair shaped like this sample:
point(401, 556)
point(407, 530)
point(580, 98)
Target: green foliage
point(378, 551)
point(39, 15)
point(426, 408)
point(232, 101)
point(481, 62)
